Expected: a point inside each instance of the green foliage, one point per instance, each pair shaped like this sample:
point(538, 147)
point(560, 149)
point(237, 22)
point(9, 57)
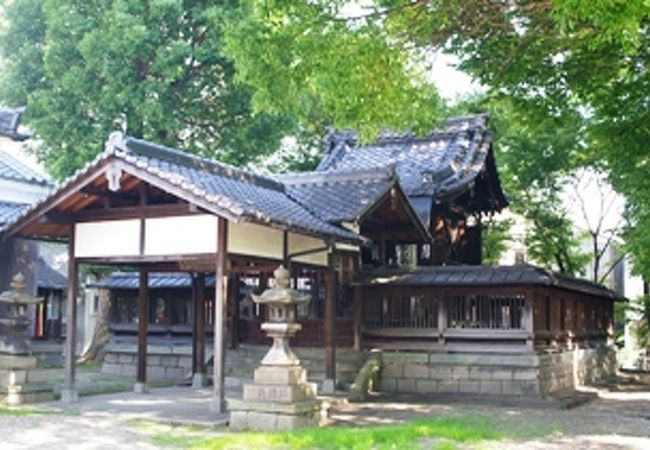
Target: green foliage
point(534, 152)
point(564, 60)
point(495, 235)
point(641, 328)
point(152, 67)
point(306, 59)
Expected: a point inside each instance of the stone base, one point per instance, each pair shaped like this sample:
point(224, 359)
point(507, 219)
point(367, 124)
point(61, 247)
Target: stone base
point(26, 393)
point(21, 382)
point(199, 380)
point(269, 416)
point(536, 375)
point(141, 388)
point(69, 395)
point(329, 386)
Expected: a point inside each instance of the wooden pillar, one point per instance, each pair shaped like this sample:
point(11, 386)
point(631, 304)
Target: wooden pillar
point(198, 335)
point(194, 319)
point(69, 393)
point(330, 299)
point(528, 320)
point(383, 255)
point(143, 329)
point(442, 319)
point(358, 318)
point(233, 308)
point(218, 404)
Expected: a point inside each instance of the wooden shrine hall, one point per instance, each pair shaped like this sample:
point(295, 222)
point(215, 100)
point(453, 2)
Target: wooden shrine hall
point(385, 236)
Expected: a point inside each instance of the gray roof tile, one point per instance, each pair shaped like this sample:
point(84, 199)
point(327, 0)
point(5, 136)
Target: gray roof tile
point(338, 196)
point(9, 210)
point(12, 169)
point(247, 195)
point(9, 123)
point(48, 278)
point(463, 275)
point(157, 280)
point(441, 164)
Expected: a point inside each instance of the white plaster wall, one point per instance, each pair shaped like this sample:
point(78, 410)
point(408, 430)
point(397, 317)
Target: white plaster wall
point(184, 235)
point(107, 238)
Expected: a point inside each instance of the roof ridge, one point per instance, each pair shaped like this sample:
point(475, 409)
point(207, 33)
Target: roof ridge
point(386, 171)
point(149, 149)
point(388, 136)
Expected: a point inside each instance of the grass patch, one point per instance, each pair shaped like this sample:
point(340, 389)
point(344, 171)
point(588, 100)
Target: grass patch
point(441, 433)
point(89, 366)
point(27, 411)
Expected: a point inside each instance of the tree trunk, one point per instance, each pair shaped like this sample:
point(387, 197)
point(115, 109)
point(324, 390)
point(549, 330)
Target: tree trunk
point(101, 334)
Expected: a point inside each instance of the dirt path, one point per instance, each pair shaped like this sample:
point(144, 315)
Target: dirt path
point(618, 419)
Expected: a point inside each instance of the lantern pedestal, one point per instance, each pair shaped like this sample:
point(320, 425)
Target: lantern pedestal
point(20, 380)
point(280, 397)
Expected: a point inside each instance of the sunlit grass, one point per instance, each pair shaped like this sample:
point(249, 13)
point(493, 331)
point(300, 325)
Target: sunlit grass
point(442, 433)
point(28, 411)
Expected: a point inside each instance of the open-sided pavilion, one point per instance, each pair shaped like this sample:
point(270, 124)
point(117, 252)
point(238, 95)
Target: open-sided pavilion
point(158, 209)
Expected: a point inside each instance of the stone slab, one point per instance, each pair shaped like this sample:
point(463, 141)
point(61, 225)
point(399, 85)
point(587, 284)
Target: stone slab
point(280, 375)
point(282, 394)
point(306, 407)
point(8, 362)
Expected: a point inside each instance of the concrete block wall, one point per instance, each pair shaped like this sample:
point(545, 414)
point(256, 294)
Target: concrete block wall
point(164, 363)
point(458, 373)
point(531, 374)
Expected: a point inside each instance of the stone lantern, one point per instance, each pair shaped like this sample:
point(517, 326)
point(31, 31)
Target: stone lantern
point(15, 323)
point(20, 381)
point(280, 397)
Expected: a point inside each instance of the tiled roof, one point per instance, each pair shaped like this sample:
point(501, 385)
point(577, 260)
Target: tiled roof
point(462, 275)
point(9, 122)
point(242, 193)
point(441, 164)
point(222, 189)
point(338, 196)
point(9, 210)
point(157, 280)
point(48, 278)
point(12, 169)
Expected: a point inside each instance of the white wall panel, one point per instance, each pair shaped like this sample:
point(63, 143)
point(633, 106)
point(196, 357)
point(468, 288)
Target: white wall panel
point(255, 240)
point(181, 235)
point(107, 238)
point(299, 243)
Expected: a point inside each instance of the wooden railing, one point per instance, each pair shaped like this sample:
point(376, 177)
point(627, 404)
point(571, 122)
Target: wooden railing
point(488, 311)
point(450, 319)
point(507, 318)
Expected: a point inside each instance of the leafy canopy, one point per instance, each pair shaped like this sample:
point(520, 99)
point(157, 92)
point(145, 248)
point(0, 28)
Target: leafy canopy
point(152, 67)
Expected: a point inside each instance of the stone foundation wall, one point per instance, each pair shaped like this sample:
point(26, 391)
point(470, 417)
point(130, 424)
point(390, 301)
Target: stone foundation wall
point(532, 374)
point(164, 363)
point(174, 362)
point(569, 369)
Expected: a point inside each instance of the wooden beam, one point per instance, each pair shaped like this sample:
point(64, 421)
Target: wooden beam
point(143, 325)
point(135, 212)
point(69, 394)
point(221, 291)
point(106, 194)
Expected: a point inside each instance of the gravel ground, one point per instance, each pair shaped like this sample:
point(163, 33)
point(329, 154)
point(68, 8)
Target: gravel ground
point(619, 418)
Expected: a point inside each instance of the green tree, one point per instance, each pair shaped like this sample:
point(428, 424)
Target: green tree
point(152, 67)
point(495, 235)
point(558, 56)
point(306, 58)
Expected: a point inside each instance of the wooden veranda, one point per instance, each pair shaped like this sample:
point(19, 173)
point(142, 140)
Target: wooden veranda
point(480, 309)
